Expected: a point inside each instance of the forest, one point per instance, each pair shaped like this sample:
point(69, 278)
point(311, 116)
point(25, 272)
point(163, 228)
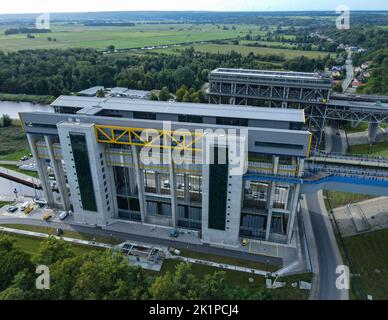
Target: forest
point(56, 72)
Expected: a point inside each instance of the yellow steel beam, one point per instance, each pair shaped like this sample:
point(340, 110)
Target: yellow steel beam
point(115, 135)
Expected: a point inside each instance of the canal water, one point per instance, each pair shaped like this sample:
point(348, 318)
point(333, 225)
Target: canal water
point(13, 108)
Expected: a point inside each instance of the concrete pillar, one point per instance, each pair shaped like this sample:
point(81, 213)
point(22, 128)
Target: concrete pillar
point(275, 165)
point(174, 209)
point(373, 127)
point(270, 210)
point(301, 167)
point(294, 206)
point(59, 176)
point(158, 183)
point(132, 180)
point(187, 185)
point(42, 170)
point(140, 184)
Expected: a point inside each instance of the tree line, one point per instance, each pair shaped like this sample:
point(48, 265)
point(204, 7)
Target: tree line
point(56, 72)
point(100, 275)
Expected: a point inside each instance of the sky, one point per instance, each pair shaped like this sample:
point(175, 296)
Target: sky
point(39, 6)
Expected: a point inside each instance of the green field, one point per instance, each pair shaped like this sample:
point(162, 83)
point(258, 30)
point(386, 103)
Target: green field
point(141, 35)
point(66, 233)
point(340, 199)
point(26, 98)
point(377, 149)
point(369, 254)
point(244, 50)
point(13, 142)
point(13, 167)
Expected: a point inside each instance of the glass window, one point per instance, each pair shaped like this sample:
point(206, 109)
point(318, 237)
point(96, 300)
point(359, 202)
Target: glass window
point(84, 176)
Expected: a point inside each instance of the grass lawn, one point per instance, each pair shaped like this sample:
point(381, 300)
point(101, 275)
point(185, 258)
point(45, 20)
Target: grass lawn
point(66, 233)
point(14, 167)
point(242, 279)
point(141, 35)
point(360, 128)
point(229, 260)
point(339, 199)
point(377, 149)
point(369, 254)
point(26, 98)
point(13, 142)
point(244, 50)
point(30, 245)
point(4, 203)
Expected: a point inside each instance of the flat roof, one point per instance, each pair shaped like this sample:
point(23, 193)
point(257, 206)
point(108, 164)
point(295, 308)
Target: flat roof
point(358, 104)
point(269, 73)
point(92, 90)
point(198, 109)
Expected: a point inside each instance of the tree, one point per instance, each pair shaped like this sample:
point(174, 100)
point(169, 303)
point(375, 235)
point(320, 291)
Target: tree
point(12, 261)
point(6, 120)
point(111, 48)
point(53, 250)
point(181, 93)
point(164, 94)
point(185, 76)
point(181, 285)
point(100, 93)
point(107, 275)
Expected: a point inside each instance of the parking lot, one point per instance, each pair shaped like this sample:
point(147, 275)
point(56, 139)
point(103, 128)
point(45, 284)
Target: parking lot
point(35, 213)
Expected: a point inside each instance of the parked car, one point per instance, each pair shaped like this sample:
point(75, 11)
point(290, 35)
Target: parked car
point(166, 184)
point(29, 209)
point(63, 215)
point(174, 233)
point(12, 209)
point(24, 158)
point(244, 242)
point(47, 217)
point(24, 206)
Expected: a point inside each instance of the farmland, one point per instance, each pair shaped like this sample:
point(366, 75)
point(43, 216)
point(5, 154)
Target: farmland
point(141, 35)
point(245, 50)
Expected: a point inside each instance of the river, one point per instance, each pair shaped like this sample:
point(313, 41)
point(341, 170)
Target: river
point(13, 108)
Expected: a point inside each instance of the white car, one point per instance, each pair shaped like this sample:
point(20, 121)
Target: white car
point(24, 206)
point(63, 215)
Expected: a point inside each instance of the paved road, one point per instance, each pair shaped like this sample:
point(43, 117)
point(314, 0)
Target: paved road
point(146, 239)
point(329, 257)
point(349, 72)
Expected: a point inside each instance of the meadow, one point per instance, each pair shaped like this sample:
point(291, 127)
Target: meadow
point(141, 35)
point(244, 50)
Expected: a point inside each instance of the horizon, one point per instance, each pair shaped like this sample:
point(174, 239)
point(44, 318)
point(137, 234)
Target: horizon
point(73, 6)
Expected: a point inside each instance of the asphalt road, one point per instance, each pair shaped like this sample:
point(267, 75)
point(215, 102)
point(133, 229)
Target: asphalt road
point(349, 72)
point(329, 257)
point(146, 239)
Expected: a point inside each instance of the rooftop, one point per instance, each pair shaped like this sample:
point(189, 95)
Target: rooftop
point(91, 91)
point(93, 105)
point(269, 73)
